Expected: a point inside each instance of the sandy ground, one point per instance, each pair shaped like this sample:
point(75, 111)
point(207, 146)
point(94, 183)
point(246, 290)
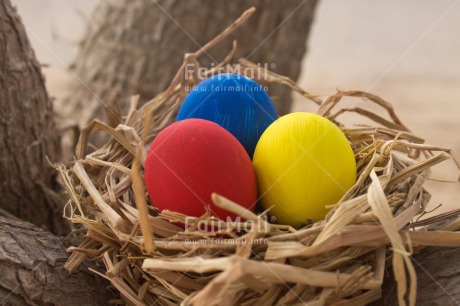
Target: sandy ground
point(408, 52)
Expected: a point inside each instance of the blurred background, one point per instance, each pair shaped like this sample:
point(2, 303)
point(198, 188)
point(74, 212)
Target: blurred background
point(407, 52)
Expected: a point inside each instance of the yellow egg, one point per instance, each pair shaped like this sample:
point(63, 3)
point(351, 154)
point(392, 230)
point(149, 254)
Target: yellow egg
point(303, 162)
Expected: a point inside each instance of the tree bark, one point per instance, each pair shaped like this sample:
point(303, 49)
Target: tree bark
point(27, 131)
point(438, 279)
point(136, 47)
point(32, 270)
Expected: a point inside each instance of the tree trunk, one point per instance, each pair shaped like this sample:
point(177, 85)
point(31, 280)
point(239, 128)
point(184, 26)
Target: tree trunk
point(438, 279)
point(27, 131)
point(32, 270)
point(136, 47)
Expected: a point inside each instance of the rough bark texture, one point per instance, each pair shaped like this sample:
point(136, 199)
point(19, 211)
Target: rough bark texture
point(438, 279)
point(32, 272)
point(136, 47)
point(27, 131)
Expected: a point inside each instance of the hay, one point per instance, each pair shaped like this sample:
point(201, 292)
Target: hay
point(339, 260)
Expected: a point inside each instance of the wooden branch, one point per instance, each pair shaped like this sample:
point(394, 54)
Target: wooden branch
point(438, 279)
point(32, 270)
point(28, 135)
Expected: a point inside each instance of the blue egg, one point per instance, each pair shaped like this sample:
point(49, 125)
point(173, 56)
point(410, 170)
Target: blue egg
point(235, 102)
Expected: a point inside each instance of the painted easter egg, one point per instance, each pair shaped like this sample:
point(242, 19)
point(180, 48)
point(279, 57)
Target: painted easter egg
point(236, 103)
point(191, 159)
point(303, 163)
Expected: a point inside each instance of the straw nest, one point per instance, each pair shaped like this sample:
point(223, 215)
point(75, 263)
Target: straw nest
point(339, 260)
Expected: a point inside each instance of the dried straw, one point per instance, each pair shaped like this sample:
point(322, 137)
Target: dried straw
point(338, 260)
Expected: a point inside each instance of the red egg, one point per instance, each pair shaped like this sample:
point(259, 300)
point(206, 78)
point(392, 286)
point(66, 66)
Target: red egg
point(191, 159)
